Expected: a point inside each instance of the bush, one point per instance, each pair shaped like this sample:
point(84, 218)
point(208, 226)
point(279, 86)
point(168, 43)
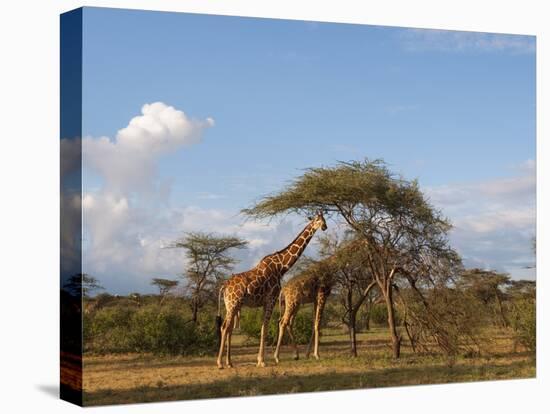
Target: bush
point(251, 325)
point(524, 323)
point(332, 315)
point(379, 315)
point(450, 318)
point(151, 328)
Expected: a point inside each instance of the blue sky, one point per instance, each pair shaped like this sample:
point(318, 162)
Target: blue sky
point(270, 97)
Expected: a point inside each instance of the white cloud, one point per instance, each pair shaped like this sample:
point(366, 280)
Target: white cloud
point(494, 221)
point(419, 40)
point(128, 163)
point(122, 220)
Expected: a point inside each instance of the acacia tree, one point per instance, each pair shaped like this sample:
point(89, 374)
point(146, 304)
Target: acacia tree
point(82, 283)
point(208, 263)
point(345, 264)
point(388, 213)
point(489, 287)
point(164, 286)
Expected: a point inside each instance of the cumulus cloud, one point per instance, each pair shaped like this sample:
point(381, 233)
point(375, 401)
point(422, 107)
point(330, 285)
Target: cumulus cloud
point(494, 221)
point(128, 163)
point(419, 40)
point(122, 220)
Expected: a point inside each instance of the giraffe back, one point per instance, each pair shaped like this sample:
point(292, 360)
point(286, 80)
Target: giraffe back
point(238, 291)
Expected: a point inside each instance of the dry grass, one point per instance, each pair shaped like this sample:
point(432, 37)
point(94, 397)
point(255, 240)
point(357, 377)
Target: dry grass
point(115, 379)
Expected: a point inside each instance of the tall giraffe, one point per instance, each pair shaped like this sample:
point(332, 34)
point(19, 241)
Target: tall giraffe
point(261, 286)
point(312, 286)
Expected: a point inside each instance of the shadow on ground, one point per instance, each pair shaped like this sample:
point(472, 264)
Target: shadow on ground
point(285, 383)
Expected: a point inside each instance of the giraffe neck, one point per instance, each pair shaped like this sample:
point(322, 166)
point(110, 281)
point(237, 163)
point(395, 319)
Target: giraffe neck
point(290, 254)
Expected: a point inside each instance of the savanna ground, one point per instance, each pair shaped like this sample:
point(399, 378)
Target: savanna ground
point(132, 378)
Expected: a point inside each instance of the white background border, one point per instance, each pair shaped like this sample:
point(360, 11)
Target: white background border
point(29, 218)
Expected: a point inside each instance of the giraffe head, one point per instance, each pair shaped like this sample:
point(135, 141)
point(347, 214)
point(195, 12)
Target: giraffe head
point(319, 221)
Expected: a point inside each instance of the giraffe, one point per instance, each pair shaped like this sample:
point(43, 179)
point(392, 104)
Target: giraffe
point(260, 286)
point(312, 286)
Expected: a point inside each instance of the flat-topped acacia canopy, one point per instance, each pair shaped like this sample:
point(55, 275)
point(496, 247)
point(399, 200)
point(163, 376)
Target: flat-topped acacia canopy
point(366, 194)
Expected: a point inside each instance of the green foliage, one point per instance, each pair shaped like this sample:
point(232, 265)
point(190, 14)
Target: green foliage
point(365, 193)
point(164, 285)
point(150, 328)
point(208, 264)
point(379, 315)
point(303, 326)
point(251, 325)
point(524, 323)
point(332, 313)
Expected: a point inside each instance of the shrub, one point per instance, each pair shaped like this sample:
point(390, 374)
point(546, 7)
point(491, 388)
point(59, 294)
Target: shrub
point(332, 314)
point(379, 315)
point(524, 323)
point(151, 328)
point(303, 326)
point(449, 318)
point(251, 325)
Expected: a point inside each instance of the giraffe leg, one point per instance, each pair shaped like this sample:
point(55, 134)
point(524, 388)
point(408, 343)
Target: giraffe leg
point(282, 325)
point(230, 326)
point(293, 338)
point(268, 309)
point(237, 324)
point(311, 338)
point(318, 315)
point(225, 326)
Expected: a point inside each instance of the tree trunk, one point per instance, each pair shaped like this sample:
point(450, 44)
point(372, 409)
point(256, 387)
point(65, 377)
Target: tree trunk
point(351, 323)
point(353, 332)
point(395, 338)
point(412, 340)
point(367, 314)
point(195, 311)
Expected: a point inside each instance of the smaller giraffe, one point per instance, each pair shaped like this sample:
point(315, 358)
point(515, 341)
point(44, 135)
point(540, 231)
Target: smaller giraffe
point(312, 286)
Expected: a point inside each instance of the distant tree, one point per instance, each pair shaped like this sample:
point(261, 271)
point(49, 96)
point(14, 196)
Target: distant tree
point(135, 298)
point(490, 288)
point(522, 289)
point(82, 283)
point(388, 213)
point(98, 302)
point(164, 286)
point(208, 263)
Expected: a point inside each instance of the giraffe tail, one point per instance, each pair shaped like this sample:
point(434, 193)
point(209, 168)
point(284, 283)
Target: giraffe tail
point(219, 315)
point(220, 293)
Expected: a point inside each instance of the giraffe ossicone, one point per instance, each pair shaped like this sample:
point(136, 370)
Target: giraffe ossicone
point(260, 286)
